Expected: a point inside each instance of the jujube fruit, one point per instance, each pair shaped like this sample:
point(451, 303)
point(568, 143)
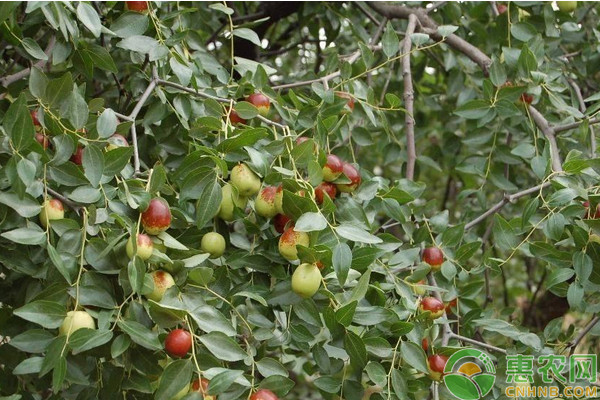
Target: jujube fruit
point(214, 244)
point(76, 320)
point(264, 394)
point(261, 102)
point(306, 280)
point(280, 221)
point(230, 199)
point(245, 180)
point(157, 217)
point(434, 257)
point(137, 6)
point(288, 242)
point(144, 247)
point(116, 141)
point(325, 189)
point(162, 281)
point(433, 305)
point(351, 173)
point(178, 342)
point(77, 157)
point(333, 168)
point(52, 210)
point(436, 364)
point(265, 202)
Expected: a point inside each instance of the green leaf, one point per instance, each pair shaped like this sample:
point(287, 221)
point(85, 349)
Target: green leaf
point(474, 109)
point(497, 73)
point(26, 207)
point(116, 160)
point(85, 339)
point(29, 236)
point(209, 319)
point(32, 341)
point(504, 234)
point(176, 376)
point(93, 164)
point(357, 234)
point(76, 109)
point(58, 90)
point(140, 334)
point(268, 367)
point(37, 82)
point(223, 347)
point(107, 123)
point(345, 314)
point(559, 275)
point(223, 380)
point(130, 24)
point(414, 356)
point(89, 17)
point(33, 49)
point(208, 204)
point(247, 34)
point(341, 259)
point(390, 41)
point(18, 124)
point(310, 222)
point(246, 110)
point(356, 349)
point(42, 312)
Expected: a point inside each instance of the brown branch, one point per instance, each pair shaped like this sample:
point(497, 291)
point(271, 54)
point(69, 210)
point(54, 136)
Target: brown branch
point(573, 125)
point(547, 130)
point(366, 12)
point(70, 203)
point(582, 334)
point(583, 109)
point(7, 80)
point(430, 27)
point(409, 100)
point(505, 200)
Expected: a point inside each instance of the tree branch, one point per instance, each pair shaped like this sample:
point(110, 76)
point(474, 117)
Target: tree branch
point(573, 125)
point(547, 130)
point(505, 200)
point(583, 109)
point(430, 27)
point(409, 100)
point(7, 80)
point(582, 334)
point(70, 203)
point(477, 343)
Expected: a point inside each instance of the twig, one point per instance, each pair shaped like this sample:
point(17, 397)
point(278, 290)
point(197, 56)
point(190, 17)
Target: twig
point(7, 80)
point(547, 130)
point(573, 125)
point(477, 343)
point(134, 113)
point(505, 200)
point(409, 100)
point(582, 334)
point(366, 12)
point(70, 203)
point(583, 109)
point(494, 8)
point(430, 27)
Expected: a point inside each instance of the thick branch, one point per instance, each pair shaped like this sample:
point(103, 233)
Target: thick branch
point(430, 27)
point(7, 80)
point(547, 130)
point(409, 100)
point(583, 333)
point(573, 125)
point(505, 200)
point(583, 109)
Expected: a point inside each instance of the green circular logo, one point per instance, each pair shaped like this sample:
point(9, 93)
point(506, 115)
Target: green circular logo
point(469, 374)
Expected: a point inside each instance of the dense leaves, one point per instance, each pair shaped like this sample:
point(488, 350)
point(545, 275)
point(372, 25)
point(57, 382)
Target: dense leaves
point(105, 108)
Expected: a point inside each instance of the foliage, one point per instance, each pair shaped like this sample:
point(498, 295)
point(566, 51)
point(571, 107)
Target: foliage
point(498, 185)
